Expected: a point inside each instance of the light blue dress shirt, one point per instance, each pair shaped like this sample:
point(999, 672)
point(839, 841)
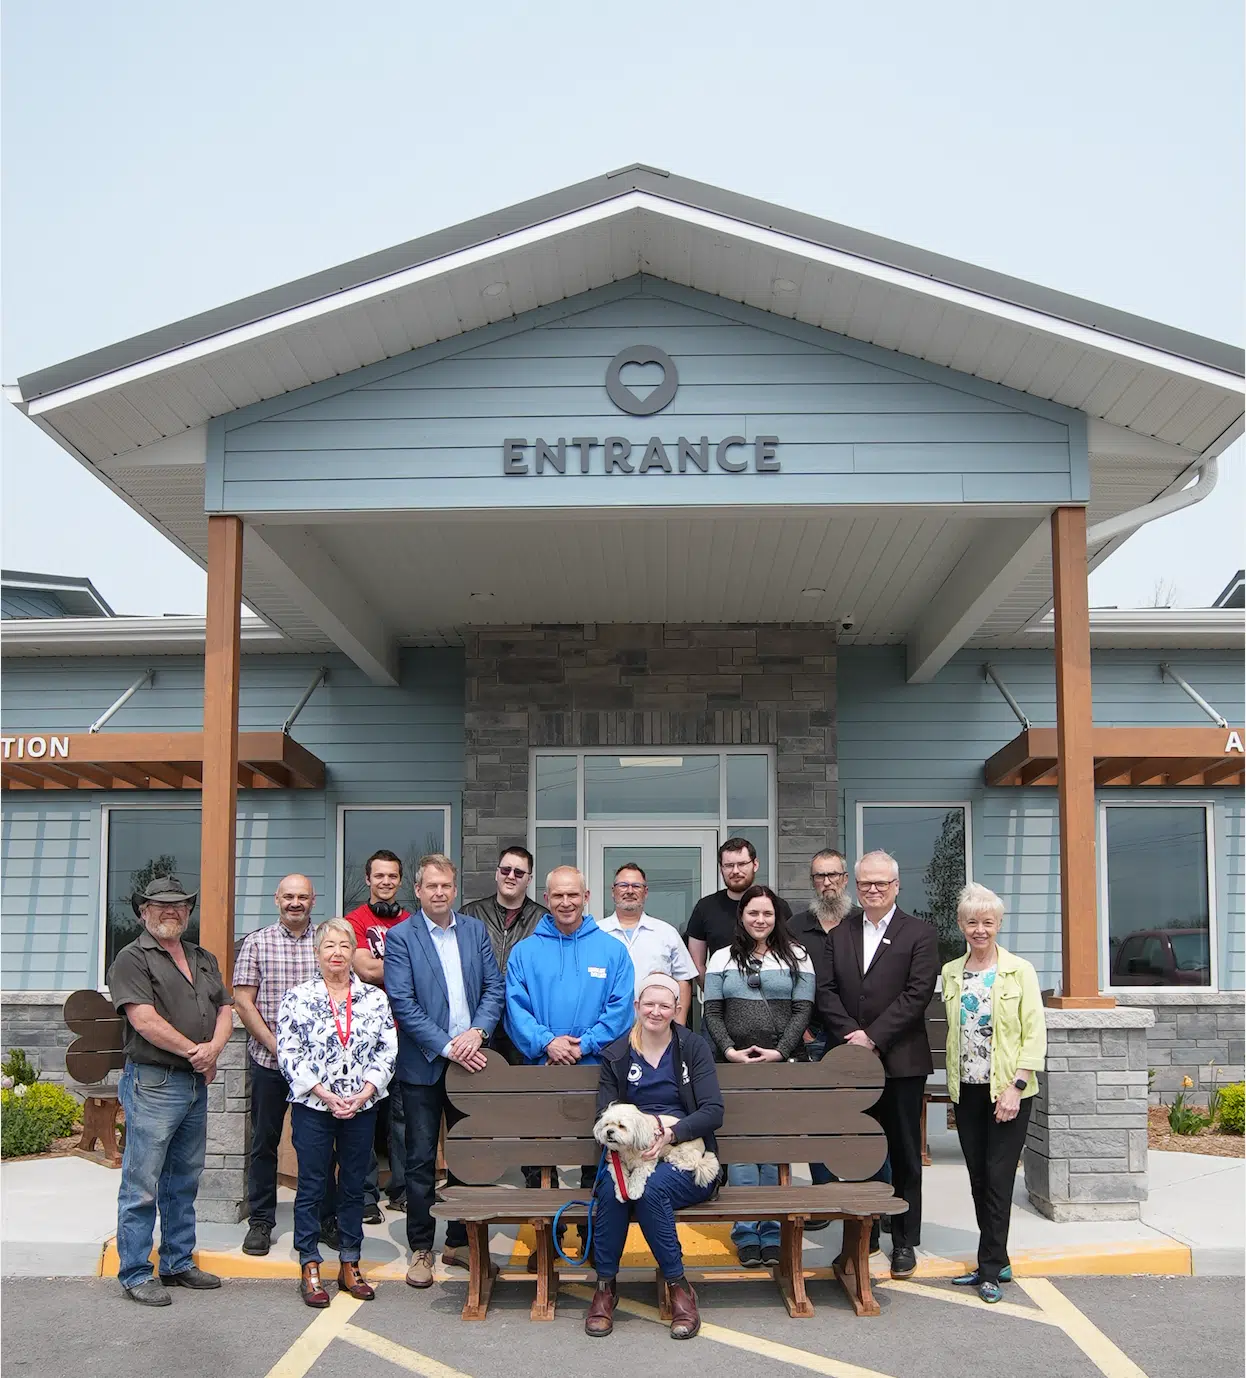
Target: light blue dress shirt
point(446, 941)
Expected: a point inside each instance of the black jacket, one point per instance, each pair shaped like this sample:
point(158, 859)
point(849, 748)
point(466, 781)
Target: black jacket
point(889, 1001)
point(698, 1083)
point(493, 916)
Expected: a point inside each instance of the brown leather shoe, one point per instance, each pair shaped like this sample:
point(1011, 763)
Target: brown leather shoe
point(420, 1273)
point(685, 1318)
point(350, 1279)
point(600, 1318)
point(311, 1289)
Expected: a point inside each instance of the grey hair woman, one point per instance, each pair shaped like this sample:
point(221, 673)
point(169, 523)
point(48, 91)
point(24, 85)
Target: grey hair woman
point(996, 1045)
point(336, 1046)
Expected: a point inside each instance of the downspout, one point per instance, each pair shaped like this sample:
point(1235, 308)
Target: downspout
point(1127, 522)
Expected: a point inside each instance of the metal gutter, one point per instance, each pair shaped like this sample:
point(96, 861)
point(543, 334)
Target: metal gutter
point(29, 636)
point(1125, 523)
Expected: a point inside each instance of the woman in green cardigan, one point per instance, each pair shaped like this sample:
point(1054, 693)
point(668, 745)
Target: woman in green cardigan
point(996, 1044)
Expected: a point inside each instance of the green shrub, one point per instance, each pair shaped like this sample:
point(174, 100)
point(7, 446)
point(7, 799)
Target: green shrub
point(19, 1069)
point(1233, 1108)
point(32, 1118)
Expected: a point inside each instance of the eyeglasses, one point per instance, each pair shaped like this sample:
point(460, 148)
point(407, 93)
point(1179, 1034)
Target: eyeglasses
point(629, 885)
point(736, 865)
point(517, 871)
point(875, 884)
point(828, 875)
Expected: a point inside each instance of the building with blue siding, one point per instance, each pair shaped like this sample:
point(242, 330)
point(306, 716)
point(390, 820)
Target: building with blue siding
point(630, 519)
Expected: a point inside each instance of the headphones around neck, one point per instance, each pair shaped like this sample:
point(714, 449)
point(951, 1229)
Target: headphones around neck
point(385, 909)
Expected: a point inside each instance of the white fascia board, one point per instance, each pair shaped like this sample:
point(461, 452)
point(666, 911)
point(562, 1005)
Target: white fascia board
point(985, 575)
point(292, 558)
point(670, 210)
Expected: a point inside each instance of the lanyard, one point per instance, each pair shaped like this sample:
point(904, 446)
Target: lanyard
point(344, 1036)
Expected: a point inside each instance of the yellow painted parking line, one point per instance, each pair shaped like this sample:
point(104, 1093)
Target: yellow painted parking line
point(999, 1308)
point(398, 1355)
point(1094, 1344)
point(752, 1344)
point(312, 1343)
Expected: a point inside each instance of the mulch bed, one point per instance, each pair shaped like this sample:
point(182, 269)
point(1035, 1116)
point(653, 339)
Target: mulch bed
point(1208, 1141)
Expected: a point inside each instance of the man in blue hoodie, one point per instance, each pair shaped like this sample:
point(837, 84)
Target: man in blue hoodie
point(569, 988)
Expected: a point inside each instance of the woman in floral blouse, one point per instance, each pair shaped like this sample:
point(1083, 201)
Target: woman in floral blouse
point(336, 1046)
point(996, 1043)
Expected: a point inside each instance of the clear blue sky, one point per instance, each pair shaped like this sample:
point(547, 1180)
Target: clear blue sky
point(162, 158)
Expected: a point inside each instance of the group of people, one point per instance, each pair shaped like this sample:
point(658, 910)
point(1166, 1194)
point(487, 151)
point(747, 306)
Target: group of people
point(369, 1011)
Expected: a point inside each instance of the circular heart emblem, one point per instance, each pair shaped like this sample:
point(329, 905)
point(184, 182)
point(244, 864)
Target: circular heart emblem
point(624, 398)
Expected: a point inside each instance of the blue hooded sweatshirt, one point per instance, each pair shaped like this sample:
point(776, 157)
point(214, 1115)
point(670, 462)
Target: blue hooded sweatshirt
point(580, 984)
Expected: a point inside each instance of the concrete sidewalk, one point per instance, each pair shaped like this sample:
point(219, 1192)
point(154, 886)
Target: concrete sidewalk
point(59, 1215)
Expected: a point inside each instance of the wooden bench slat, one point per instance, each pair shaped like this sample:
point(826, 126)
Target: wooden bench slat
point(85, 1005)
point(851, 1156)
point(100, 1036)
point(544, 1115)
point(733, 1203)
point(88, 1067)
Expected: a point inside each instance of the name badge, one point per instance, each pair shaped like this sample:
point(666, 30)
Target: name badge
point(599, 972)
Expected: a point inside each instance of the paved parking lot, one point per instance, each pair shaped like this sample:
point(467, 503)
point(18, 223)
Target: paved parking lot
point(1066, 1328)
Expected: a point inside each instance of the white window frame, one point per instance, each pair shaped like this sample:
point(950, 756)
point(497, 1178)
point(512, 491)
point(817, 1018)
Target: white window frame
point(1213, 930)
point(106, 811)
point(339, 849)
point(863, 804)
point(625, 821)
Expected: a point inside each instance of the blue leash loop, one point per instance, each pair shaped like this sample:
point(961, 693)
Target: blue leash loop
point(588, 1234)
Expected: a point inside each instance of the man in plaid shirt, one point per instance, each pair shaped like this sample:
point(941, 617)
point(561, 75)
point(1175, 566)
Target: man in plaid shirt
point(269, 962)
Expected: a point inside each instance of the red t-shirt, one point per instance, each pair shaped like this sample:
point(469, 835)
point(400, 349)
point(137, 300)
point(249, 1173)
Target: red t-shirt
point(370, 931)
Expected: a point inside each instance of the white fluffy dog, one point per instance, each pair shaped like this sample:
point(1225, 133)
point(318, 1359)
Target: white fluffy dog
point(626, 1132)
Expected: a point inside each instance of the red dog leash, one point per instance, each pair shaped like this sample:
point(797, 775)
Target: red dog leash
point(616, 1166)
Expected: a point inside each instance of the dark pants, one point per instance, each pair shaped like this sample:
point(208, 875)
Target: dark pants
point(318, 1137)
point(371, 1192)
point(423, 1107)
point(992, 1152)
point(269, 1094)
point(397, 1148)
point(899, 1111)
point(665, 1191)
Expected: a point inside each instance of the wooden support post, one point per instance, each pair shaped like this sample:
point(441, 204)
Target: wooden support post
point(1079, 923)
point(222, 644)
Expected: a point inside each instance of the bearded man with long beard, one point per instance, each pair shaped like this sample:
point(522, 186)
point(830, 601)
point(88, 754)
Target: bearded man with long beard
point(178, 1019)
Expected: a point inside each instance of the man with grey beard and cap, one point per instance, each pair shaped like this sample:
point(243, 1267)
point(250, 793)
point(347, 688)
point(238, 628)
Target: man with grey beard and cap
point(178, 1019)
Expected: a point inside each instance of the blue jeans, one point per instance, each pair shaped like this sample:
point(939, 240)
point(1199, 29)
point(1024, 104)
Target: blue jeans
point(319, 1137)
point(763, 1233)
point(423, 1107)
point(667, 1190)
point(166, 1136)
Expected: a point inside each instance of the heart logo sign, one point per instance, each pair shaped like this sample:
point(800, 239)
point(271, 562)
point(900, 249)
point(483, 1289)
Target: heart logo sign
point(624, 398)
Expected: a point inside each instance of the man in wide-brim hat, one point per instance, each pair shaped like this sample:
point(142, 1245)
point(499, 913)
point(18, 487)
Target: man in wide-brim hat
point(178, 1019)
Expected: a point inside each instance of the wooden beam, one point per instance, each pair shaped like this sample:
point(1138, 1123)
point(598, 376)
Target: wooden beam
point(1075, 753)
point(164, 772)
point(221, 668)
point(1143, 772)
point(1034, 772)
point(1113, 768)
point(1224, 772)
point(1183, 772)
point(56, 776)
point(21, 776)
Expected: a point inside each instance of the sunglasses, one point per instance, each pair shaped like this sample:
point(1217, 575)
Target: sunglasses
point(517, 871)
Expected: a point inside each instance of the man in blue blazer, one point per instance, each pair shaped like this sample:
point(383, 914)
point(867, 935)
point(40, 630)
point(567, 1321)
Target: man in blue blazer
point(447, 995)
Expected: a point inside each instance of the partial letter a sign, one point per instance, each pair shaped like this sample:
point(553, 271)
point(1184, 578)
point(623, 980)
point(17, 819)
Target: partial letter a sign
point(1234, 744)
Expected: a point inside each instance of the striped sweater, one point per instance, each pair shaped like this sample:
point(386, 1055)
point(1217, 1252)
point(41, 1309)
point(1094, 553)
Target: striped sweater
point(738, 1015)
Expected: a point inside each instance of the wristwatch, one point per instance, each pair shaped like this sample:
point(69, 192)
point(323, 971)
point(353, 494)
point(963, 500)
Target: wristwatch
point(1021, 1083)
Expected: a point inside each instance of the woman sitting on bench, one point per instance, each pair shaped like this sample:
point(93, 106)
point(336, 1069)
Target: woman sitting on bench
point(663, 1069)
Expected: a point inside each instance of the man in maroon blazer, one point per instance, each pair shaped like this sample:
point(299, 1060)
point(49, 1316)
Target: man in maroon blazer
point(876, 976)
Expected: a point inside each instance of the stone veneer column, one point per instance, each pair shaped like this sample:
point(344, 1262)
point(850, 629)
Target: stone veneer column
point(1086, 1152)
point(616, 685)
point(223, 1186)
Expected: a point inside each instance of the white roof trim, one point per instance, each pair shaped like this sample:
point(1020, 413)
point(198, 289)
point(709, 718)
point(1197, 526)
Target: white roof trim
point(123, 635)
point(643, 201)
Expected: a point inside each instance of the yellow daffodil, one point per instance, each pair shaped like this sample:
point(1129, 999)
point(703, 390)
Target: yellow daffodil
point(1187, 1083)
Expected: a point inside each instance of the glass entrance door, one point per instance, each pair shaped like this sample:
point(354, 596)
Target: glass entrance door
point(681, 865)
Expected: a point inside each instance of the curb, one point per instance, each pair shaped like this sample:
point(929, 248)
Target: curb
point(1161, 1258)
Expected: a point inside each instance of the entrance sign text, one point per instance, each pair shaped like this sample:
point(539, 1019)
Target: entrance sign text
point(615, 454)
